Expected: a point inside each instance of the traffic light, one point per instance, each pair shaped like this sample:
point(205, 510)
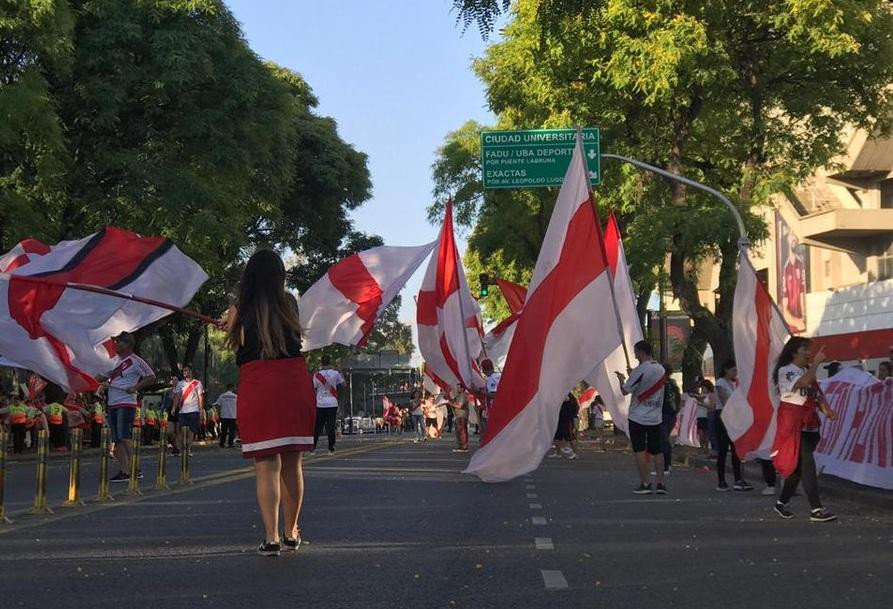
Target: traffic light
point(485, 284)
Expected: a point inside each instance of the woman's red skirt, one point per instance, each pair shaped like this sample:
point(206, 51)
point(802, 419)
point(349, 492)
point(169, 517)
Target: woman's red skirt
point(790, 420)
point(276, 409)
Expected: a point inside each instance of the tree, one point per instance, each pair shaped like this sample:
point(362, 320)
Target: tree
point(749, 97)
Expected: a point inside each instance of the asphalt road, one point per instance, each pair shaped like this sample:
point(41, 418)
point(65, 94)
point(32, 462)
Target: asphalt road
point(398, 525)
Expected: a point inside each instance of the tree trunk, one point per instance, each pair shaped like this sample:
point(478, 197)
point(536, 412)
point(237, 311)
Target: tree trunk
point(693, 360)
point(169, 343)
point(193, 336)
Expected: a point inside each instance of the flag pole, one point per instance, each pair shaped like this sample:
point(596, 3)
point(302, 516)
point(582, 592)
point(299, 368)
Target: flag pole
point(601, 243)
point(462, 309)
point(84, 287)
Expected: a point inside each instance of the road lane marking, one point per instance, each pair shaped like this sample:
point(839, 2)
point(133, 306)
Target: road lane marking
point(530, 487)
point(536, 506)
point(543, 543)
point(554, 580)
point(538, 520)
point(532, 496)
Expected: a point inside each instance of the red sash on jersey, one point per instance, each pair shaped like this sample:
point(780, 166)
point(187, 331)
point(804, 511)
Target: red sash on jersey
point(325, 383)
point(187, 391)
point(651, 390)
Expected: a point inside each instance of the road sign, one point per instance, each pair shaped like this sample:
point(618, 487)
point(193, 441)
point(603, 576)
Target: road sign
point(536, 158)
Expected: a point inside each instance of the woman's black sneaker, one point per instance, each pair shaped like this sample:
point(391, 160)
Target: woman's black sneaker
point(643, 489)
point(120, 477)
point(661, 489)
point(821, 515)
point(782, 510)
point(268, 549)
point(290, 545)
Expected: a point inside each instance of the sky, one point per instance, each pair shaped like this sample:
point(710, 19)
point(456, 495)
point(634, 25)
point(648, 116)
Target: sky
point(396, 76)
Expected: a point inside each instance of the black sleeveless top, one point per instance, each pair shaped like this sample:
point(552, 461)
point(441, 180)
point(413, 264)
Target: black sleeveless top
point(250, 351)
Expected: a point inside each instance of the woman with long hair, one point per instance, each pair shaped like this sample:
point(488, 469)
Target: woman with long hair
point(797, 431)
point(725, 386)
point(277, 404)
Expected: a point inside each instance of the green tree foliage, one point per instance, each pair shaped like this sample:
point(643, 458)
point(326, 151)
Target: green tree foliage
point(749, 97)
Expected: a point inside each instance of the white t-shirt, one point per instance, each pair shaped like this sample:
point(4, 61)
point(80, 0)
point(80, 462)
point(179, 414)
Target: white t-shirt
point(189, 403)
point(125, 375)
point(227, 403)
point(418, 411)
point(646, 410)
point(787, 376)
point(493, 382)
point(324, 396)
point(724, 390)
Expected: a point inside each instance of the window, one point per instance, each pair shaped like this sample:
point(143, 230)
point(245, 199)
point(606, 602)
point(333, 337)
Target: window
point(885, 264)
point(887, 194)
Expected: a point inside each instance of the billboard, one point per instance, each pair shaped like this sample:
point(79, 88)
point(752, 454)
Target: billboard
point(791, 261)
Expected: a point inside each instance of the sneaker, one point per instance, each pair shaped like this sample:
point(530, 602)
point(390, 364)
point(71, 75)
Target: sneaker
point(667, 473)
point(331, 451)
point(311, 452)
point(821, 515)
point(572, 456)
point(661, 490)
point(722, 487)
point(769, 490)
point(268, 549)
point(120, 477)
point(139, 475)
point(741, 485)
point(643, 489)
point(290, 545)
point(553, 455)
point(782, 510)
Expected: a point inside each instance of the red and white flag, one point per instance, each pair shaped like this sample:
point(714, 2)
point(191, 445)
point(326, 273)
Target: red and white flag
point(603, 377)
point(448, 317)
point(343, 305)
point(686, 429)
point(63, 334)
point(498, 340)
point(759, 333)
point(568, 325)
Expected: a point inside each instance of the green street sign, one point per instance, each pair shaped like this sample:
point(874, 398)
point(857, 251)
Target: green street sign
point(535, 158)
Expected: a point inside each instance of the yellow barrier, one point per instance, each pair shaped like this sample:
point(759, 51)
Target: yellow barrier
point(40, 497)
point(74, 470)
point(103, 494)
point(185, 447)
point(161, 478)
point(134, 487)
point(4, 440)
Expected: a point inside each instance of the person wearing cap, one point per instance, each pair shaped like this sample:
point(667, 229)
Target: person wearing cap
point(833, 367)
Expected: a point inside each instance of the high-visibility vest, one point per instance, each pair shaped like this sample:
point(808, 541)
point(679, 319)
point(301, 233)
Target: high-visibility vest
point(151, 417)
point(98, 414)
point(55, 414)
point(138, 418)
point(18, 414)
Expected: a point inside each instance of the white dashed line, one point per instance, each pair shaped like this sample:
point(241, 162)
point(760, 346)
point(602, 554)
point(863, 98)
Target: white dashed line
point(543, 543)
point(532, 496)
point(536, 506)
point(554, 580)
point(530, 487)
point(538, 520)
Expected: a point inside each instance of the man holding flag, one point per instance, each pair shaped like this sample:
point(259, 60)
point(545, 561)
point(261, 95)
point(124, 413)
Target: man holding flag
point(326, 382)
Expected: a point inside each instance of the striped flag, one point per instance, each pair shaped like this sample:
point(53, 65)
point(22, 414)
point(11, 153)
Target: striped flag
point(64, 334)
point(448, 317)
point(343, 305)
point(686, 429)
point(498, 340)
point(568, 324)
point(759, 333)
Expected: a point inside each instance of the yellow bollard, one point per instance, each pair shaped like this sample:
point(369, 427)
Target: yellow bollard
point(43, 451)
point(185, 446)
point(103, 494)
point(161, 479)
point(4, 439)
point(74, 470)
point(134, 487)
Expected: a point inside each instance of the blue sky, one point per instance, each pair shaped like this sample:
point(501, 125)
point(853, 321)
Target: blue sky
point(396, 77)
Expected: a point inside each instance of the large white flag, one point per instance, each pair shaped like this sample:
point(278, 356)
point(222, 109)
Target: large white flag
point(62, 333)
point(567, 325)
point(603, 377)
point(343, 305)
point(449, 317)
point(759, 333)
point(498, 340)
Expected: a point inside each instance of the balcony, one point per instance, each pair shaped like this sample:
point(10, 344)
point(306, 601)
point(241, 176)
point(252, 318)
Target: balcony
point(858, 231)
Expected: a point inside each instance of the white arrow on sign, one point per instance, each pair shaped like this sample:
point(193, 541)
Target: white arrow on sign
point(591, 154)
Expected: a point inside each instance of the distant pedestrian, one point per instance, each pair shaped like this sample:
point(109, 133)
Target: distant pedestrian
point(884, 370)
point(189, 402)
point(646, 384)
point(460, 407)
point(276, 405)
point(226, 402)
point(418, 416)
point(325, 383)
point(669, 412)
point(491, 387)
point(797, 431)
point(565, 438)
point(725, 386)
point(429, 409)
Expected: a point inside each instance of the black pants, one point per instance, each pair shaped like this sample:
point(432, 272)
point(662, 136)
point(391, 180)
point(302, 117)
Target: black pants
point(227, 430)
point(57, 435)
point(666, 428)
point(805, 472)
point(18, 438)
point(325, 417)
point(95, 434)
point(768, 471)
point(723, 445)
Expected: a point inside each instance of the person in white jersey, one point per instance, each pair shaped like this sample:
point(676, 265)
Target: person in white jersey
point(325, 383)
point(226, 402)
point(124, 383)
point(189, 399)
point(491, 387)
point(646, 384)
point(725, 387)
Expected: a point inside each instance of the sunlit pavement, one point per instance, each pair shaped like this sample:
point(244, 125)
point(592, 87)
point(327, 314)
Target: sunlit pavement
point(397, 524)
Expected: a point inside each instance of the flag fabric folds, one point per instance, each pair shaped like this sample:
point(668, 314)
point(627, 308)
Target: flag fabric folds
point(759, 333)
point(602, 376)
point(686, 428)
point(63, 334)
point(567, 325)
point(498, 340)
point(343, 305)
point(448, 317)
